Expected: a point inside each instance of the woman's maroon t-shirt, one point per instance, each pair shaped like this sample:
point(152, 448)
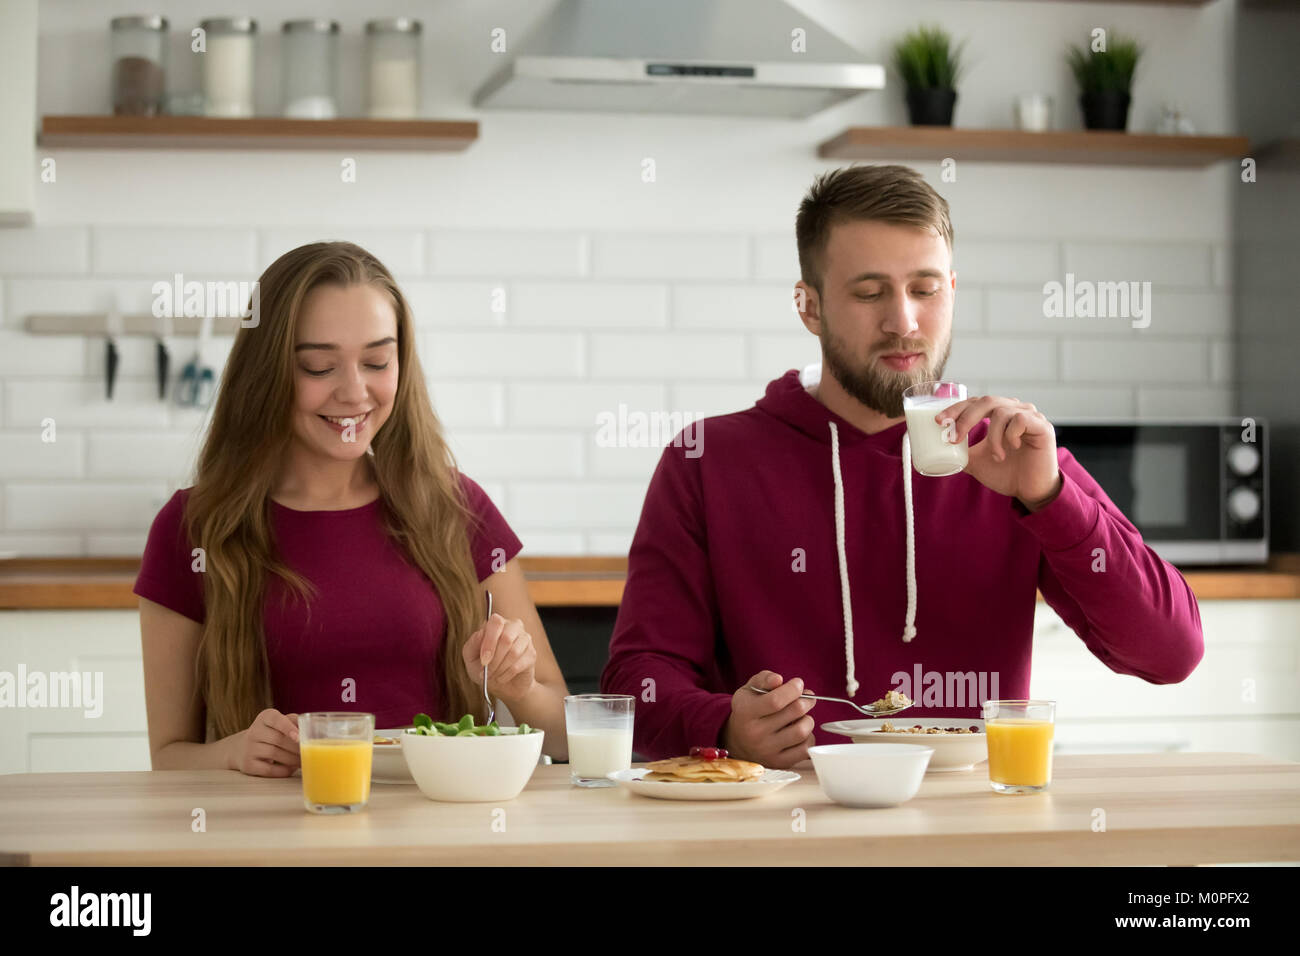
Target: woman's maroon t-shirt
point(373, 638)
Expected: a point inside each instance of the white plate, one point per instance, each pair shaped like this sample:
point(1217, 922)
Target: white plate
point(952, 752)
point(388, 765)
point(770, 782)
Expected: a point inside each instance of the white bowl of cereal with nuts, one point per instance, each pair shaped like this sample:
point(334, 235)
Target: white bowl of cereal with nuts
point(959, 743)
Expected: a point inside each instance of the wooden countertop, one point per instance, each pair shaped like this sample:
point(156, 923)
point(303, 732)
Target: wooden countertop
point(552, 581)
point(1161, 808)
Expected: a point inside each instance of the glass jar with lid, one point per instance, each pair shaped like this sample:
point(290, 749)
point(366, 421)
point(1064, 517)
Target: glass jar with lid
point(228, 65)
point(309, 52)
point(139, 49)
point(393, 68)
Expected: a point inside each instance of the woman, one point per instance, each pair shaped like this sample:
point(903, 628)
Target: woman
point(329, 555)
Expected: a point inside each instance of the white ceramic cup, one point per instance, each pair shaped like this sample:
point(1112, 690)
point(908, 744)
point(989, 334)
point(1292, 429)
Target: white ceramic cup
point(1033, 112)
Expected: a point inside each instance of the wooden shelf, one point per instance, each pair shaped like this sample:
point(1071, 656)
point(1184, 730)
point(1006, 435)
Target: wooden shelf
point(1086, 147)
point(31, 583)
point(261, 132)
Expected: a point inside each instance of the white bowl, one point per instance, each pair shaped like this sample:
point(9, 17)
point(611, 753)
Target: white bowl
point(952, 752)
point(884, 775)
point(473, 769)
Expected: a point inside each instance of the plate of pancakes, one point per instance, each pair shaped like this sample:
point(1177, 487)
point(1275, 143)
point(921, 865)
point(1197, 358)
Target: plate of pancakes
point(698, 778)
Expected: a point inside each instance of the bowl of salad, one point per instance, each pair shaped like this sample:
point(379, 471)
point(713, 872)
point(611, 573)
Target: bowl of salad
point(464, 762)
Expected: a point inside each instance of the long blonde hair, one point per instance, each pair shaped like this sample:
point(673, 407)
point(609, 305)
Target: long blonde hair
point(228, 512)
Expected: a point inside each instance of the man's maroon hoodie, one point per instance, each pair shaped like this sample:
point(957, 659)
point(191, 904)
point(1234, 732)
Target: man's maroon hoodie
point(736, 568)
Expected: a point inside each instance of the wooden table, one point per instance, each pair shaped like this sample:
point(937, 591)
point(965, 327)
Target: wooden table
point(1160, 808)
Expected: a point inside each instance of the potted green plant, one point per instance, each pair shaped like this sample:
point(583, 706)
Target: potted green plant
point(929, 65)
point(1105, 79)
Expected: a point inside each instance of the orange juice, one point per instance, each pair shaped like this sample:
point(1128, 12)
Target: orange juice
point(1020, 751)
point(335, 772)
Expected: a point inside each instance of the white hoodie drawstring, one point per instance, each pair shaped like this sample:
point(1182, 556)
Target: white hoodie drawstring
point(909, 629)
point(909, 625)
point(850, 682)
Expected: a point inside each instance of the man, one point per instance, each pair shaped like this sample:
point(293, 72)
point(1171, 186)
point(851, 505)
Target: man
point(803, 554)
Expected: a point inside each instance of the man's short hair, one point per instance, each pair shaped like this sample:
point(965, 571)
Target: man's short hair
point(895, 194)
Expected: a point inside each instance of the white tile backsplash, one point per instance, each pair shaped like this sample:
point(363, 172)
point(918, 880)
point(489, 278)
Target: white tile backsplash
point(502, 356)
point(23, 355)
point(993, 261)
point(985, 357)
point(508, 254)
point(82, 505)
point(597, 505)
point(664, 356)
point(45, 250)
point(402, 251)
point(141, 454)
point(578, 406)
point(523, 347)
point(776, 258)
point(468, 404)
point(23, 454)
point(670, 256)
point(159, 252)
point(595, 305)
point(774, 355)
point(1135, 362)
point(1160, 263)
point(540, 455)
point(82, 403)
point(766, 306)
point(442, 302)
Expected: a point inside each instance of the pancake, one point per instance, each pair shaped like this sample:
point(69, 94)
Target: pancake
point(699, 770)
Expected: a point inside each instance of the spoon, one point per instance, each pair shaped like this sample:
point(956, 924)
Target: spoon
point(491, 710)
point(840, 700)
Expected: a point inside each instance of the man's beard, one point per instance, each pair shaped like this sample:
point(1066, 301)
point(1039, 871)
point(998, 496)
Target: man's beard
point(876, 385)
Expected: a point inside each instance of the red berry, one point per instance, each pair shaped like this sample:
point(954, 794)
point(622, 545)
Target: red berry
point(708, 753)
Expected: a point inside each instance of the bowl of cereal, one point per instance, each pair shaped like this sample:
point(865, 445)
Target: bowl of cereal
point(959, 743)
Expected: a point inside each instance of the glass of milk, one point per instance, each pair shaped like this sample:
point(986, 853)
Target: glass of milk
point(933, 455)
point(600, 737)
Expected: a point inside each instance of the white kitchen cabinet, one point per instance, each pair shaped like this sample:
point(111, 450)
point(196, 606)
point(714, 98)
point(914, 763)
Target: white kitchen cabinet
point(1098, 710)
point(1243, 696)
point(17, 112)
point(56, 739)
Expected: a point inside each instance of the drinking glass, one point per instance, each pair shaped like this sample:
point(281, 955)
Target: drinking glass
point(600, 736)
point(336, 750)
point(932, 454)
point(1019, 735)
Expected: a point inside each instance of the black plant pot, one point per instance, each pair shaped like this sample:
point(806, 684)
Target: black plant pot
point(1105, 109)
point(932, 107)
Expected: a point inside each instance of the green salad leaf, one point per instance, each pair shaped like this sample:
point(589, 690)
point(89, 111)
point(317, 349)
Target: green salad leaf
point(426, 726)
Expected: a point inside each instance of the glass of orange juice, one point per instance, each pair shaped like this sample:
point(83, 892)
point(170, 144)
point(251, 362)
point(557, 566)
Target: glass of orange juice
point(1019, 735)
point(336, 749)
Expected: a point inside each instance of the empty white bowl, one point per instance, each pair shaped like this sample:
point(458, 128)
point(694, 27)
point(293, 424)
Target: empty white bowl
point(882, 775)
point(951, 751)
point(473, 769)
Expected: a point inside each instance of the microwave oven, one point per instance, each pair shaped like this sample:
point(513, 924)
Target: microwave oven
point(1197, 490)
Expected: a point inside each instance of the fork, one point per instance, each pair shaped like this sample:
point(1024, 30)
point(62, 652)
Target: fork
point(840, 700)
point(491, 709)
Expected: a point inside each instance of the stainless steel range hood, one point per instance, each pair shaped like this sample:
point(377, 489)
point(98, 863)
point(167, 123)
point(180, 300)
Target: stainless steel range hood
point(726, 57)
